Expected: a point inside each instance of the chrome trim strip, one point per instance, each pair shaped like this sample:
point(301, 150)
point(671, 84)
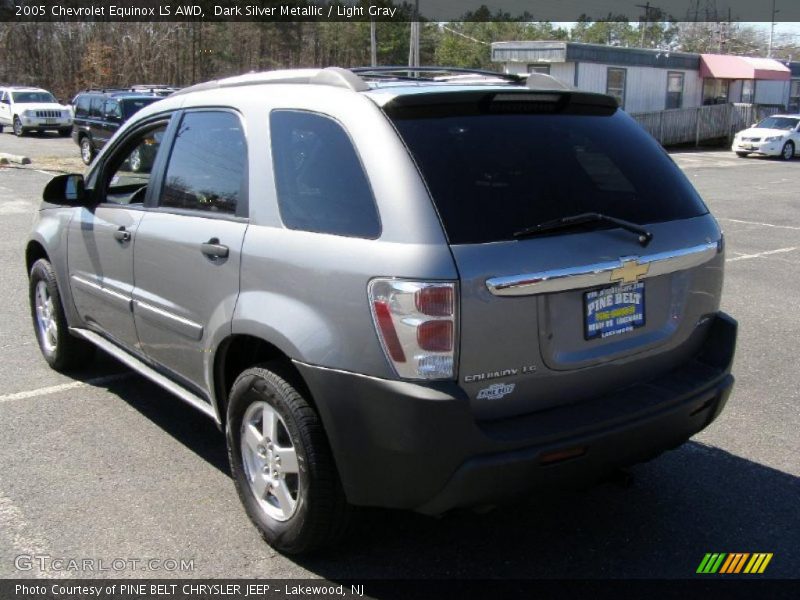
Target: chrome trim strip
point(185, 327)
point(562, 280)
point(153, 375)
point(102, 292)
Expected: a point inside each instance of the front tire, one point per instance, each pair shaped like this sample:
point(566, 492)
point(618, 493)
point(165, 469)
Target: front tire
point(787, 152)
point(60, 348)
point(18, 130)
point(65, 131)
point(282, 464)
point(87, 150)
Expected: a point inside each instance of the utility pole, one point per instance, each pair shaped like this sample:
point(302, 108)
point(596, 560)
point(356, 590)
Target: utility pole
point(373, 44)
point(413, 47)
point(771, 29)
point(647, 9)
point(643, 27)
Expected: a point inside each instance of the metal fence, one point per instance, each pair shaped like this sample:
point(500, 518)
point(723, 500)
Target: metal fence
point(703, 123)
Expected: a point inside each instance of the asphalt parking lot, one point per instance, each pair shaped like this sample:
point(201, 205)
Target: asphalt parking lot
point(106, 465)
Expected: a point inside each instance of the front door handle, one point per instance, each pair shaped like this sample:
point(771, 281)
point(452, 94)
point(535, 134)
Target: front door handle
point(122, 235)
point(213, 249)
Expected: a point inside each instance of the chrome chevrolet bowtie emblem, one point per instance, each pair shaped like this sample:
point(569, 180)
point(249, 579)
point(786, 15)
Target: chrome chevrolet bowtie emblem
point(630, 271)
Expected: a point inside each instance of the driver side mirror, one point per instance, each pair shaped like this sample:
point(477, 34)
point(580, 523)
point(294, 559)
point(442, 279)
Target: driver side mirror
point(68, 190)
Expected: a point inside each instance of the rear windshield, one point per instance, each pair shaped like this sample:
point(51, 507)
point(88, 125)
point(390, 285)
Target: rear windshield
point(131, 106)
point(493, 174)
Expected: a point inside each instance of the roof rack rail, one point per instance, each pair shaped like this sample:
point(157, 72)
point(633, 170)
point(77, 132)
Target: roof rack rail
point(333, 76)
point(384, 71)
point(355, 79)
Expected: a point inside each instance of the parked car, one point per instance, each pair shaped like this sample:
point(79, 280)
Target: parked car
point(100, 113)
point(27, 109)
point(778, 135)
point(391, 291)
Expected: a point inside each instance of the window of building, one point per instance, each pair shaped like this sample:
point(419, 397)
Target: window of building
point(715, 91)
point(320, 181)
point(207, 165)
point(539, 69)
point(748, 91)
point(794, 97)
point(615, 84)
point(674, 89)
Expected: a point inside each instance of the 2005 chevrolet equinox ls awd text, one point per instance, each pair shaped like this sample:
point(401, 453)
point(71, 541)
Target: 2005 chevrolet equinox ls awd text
point(421, 290)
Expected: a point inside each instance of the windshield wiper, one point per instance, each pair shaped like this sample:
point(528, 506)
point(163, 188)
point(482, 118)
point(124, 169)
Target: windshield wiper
point(582, 219)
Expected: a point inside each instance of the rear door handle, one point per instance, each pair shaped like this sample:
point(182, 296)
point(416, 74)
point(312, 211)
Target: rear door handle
point(122, 235)
point(213, 249)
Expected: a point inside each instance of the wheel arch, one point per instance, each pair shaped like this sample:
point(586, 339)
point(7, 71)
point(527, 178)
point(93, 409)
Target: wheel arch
point(240, 351)
point(34, 251)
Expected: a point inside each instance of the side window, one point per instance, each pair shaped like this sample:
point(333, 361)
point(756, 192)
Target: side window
point(207, 165)
point(96, 106)
point(320, 181)
point(82, 106)
point(130, 166)
point(112, 110)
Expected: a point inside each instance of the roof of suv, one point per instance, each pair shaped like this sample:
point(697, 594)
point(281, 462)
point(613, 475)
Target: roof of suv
point(386, 83)
point(23, 88)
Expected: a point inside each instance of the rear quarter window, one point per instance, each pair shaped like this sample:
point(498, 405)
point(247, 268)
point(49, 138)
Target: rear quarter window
point(320, 182)
point(493, 174)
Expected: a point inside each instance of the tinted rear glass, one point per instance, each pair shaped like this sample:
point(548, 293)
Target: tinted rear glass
point(493, 174)
point(132, 105)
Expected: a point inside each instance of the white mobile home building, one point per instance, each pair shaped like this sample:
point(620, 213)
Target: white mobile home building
point(646, 80)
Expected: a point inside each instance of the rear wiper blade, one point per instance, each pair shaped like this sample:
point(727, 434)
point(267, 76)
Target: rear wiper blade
point(591, 217)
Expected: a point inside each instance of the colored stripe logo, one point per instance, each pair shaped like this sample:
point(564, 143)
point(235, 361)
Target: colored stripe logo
point(734, 563)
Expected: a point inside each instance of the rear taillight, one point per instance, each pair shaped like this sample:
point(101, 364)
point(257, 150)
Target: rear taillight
point(416, 324)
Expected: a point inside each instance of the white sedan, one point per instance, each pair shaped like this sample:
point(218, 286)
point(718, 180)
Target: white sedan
point(778, 135)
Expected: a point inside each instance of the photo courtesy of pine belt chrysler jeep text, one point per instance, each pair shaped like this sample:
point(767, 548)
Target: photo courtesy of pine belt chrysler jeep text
point(422, 289)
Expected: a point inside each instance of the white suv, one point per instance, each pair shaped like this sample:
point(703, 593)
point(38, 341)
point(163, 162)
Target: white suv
point(33, 109)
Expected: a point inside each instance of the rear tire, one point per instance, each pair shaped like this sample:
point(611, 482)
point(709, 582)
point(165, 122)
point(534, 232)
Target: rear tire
point(60, 348)
point(742, 154)
point(787, 152)
point(65, 131)
point(18, 130)
point(87, 150)
point(300, 506)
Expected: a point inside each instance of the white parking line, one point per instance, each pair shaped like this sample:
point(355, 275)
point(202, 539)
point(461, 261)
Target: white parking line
point(760, 254)
point(757, 223)
point(54, 389)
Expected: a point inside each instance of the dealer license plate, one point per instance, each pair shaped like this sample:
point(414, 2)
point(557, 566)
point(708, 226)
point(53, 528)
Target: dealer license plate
point(613, 310)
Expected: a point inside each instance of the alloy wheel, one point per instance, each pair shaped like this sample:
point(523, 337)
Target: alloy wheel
point(270, 461)
point(45, 317)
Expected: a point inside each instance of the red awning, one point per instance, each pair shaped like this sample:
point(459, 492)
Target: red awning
point(721, 66)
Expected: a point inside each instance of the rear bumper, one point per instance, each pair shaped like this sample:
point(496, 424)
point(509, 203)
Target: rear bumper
point(404, 445)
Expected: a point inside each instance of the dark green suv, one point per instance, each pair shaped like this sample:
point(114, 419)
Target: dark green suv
point(98, 116)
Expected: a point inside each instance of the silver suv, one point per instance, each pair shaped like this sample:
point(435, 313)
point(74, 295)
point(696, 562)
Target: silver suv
point(394, 288)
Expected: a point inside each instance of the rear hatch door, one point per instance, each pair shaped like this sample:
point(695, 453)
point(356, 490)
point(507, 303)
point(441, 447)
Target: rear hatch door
point(555, 318)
